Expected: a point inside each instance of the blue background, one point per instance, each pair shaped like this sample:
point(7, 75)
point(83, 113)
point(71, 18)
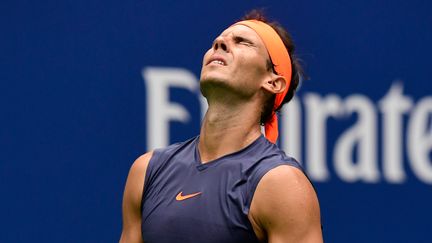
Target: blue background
point(73, 112)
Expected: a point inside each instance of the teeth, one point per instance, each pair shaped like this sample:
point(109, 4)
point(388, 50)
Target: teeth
point(218, 62)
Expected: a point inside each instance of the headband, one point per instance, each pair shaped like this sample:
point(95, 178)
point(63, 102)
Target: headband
point(282, 65)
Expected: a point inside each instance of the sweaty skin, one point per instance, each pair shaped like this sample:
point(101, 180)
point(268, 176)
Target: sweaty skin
point(236, 82)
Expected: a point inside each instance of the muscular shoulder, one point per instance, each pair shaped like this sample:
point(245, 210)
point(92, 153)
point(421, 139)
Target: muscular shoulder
point(285, 207)
point(132, 199)
point(139, 167)
point(135, 180)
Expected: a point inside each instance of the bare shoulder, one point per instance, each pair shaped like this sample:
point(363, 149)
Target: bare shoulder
point(136, 177)
point(285, 207)
point(139, 167)
point(132, 199)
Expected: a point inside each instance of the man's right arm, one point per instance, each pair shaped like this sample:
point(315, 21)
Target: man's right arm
point(132, 197)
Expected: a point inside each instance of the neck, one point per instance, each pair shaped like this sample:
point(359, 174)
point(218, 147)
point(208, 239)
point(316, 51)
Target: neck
point(227, 129)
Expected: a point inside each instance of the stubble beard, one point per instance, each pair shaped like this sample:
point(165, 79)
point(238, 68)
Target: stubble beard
point(214, 89)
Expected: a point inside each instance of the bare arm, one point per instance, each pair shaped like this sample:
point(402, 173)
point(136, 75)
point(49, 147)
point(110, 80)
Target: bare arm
point(285, 208)
point(131, 232)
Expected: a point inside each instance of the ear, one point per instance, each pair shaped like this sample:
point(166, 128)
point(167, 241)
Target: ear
point(275, 85)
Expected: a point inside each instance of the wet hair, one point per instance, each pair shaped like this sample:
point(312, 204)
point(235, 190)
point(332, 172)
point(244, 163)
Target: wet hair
point(297, 70)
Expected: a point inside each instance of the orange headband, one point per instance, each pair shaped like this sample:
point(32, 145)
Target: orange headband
point(282, 65)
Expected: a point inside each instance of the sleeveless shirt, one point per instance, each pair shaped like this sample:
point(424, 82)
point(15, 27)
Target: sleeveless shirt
point(185, 200)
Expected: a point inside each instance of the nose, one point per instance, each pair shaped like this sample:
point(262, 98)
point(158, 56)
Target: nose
point(220, 43)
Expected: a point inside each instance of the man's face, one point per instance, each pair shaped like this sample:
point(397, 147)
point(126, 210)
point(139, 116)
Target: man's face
point(238, 60)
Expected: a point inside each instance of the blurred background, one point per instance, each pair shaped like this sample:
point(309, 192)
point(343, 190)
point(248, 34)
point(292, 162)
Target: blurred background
point(88, 86)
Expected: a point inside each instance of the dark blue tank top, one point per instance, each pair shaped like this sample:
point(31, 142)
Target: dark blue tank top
point(187, 201)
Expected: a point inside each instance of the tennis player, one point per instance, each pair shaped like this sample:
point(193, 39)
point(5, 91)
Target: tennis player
point(231, 183)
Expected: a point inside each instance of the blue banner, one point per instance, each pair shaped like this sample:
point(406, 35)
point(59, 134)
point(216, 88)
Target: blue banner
point(88, 86)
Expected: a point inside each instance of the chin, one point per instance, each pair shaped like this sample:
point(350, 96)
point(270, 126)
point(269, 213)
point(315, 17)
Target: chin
point(213, 77)
point(213, 84)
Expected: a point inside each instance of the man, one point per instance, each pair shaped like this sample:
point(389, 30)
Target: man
point(230, 184)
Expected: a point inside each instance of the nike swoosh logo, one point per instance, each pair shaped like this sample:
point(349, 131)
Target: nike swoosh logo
point(181, 197)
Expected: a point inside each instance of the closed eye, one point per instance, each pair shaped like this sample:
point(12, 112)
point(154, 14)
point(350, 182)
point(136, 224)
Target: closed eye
point(242, 40)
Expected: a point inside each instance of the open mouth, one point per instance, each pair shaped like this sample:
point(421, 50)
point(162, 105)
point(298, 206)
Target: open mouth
point(217, 60)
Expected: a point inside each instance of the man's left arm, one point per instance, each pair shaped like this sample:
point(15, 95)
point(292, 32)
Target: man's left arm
point(285, 207)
